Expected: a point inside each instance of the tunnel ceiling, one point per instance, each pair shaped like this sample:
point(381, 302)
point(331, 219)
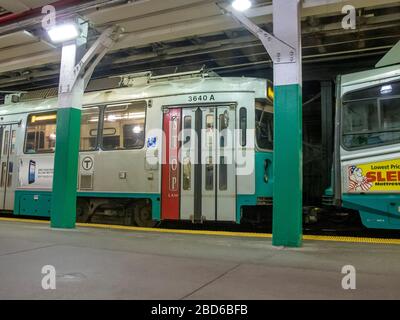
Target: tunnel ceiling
point(182, 35)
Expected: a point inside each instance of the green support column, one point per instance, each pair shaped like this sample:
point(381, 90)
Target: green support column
point(287, 196)
point(63, 209)
point(284, 48)
point(77, 66)
point(288, 162)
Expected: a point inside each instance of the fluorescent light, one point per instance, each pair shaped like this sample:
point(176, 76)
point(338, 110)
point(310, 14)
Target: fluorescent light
point(241, 5)
point(137, 115)
point(126, 116)
point(63, 33)
point(112, 118)
point(386, 89)
point(43, 118)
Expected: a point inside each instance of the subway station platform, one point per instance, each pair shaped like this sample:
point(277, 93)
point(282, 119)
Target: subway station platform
point(95, 263)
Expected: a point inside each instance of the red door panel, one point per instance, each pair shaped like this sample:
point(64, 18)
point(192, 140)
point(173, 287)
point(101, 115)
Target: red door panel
point(170, 186)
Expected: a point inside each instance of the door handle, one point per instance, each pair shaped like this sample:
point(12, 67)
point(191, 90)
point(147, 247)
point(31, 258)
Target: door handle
point(267, 164)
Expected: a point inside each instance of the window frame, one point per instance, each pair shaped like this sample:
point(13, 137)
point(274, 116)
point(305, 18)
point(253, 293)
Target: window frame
point(378, 100)
point(102, 108)
point(99, 124)
point(26, 130)
point(101, 129)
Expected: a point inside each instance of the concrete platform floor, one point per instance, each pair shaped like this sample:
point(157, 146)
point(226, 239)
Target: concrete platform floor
point(112, 264)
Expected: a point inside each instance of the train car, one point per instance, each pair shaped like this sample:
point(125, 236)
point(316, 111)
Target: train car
point(197, 147)
point(180, 147)
point(367, 146)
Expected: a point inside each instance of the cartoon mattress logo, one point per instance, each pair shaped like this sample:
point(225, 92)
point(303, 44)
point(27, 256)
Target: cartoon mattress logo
point(374, 177)
point(357, 181)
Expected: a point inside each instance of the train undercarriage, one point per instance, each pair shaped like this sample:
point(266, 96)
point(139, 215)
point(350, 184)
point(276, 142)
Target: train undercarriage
point(137, 212)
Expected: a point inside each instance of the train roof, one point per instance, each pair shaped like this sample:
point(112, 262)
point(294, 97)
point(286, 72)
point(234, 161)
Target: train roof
point(141, 91)
point(358, 80)
point(390, 58)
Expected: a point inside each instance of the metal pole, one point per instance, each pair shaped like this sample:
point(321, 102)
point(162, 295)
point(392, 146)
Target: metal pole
point(63, 206)
point(327, 132)
point(77, 66)
point(288, 162)
point(284, 48)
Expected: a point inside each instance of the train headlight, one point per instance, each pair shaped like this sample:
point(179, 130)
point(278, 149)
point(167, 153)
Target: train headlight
point(386, 89)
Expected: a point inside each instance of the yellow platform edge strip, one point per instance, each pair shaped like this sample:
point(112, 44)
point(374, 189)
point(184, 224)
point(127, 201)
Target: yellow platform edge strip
point(218, 233)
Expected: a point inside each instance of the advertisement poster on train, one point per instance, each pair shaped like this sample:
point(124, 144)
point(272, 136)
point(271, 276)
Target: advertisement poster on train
point(36, 173)
point(377, 177)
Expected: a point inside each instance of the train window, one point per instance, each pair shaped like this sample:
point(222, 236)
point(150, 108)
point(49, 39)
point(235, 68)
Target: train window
point(13, 141)
point(187, 164)
point(391, 114)
point(41, 133)
point(127, 122)
point(361, 126)
point(89, 129)
point(1, 139)
point(209, 174)
point(243, 126)
point(6, 142)
point(3, 173)
point(188, 123)
point(10, 174)
point(210, 122)
point(371, 122)
point(210, 131)
point(187, 126)
point(187, 173)
point(265, 129)
point(223, 174)
point(223, 127)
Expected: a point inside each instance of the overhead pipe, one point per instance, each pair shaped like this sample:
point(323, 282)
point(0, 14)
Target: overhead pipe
point(14, 17)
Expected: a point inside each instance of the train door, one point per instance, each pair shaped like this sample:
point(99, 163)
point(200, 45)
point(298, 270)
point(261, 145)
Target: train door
point(199, 180)
point(8, 135)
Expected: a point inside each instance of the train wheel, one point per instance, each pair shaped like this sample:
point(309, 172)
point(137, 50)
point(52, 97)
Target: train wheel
point(143, 217)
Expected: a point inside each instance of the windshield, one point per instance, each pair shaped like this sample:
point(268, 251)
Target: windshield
point(371, 117)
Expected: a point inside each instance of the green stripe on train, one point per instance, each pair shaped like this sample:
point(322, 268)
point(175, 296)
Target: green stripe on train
point(377, 211)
